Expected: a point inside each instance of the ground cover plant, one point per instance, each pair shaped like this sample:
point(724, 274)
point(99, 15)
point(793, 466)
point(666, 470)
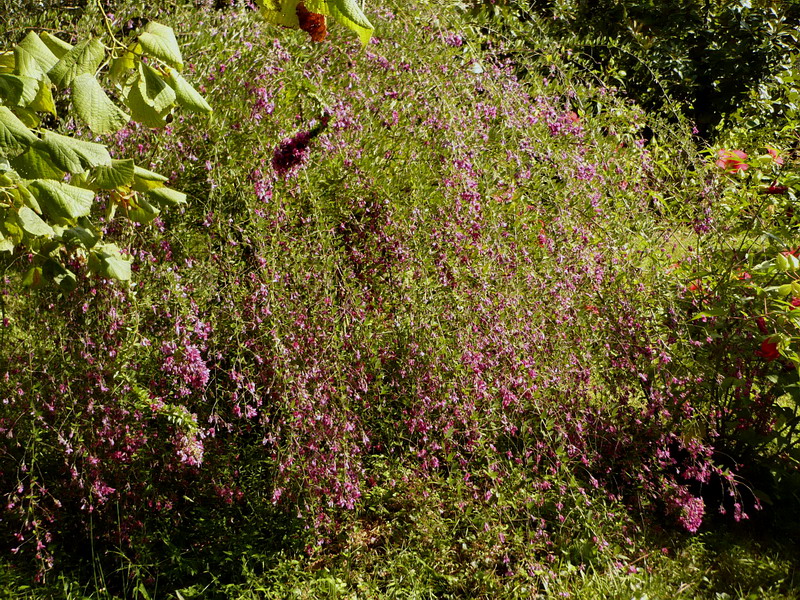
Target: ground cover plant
point(441, 316)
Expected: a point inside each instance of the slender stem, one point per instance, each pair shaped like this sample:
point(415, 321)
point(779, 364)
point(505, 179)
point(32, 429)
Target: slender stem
point(107, 22)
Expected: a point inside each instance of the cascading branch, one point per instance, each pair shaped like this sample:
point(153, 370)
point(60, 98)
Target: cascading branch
point(49, 182)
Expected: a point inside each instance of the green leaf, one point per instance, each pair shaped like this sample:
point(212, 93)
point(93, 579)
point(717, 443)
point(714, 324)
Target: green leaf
point(73, 155)
point(713, 312)
point(63, 277)
point(18, 90)
point(280, 12)
point(28, 199)
point(7, 61)
point(62, 202)
point(121, 67)
point(11, 228)
point(117, 268)
point(33, 224)
point(44, 98)
point(146, 180)
point(79, 236)
point(57, 46)
point(107, 261)
point(347, 12)
point(94, 107)
point(120, 173)
point(142, 112)
point(6, 244)
point(164, 196)
point(86, 57)
point(141, 211)
point(26, 64)
point(188, 97)
point(155, 91)
point(29, 118)
point(33, 278)
point(36, 164)
point(14, 136)
point(43, 55)
point(159, 41)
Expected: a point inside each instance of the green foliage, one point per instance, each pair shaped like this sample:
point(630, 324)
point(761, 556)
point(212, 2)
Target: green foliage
point(438, 324)
point(49, 182)
point(347, 12)
point(700, 59)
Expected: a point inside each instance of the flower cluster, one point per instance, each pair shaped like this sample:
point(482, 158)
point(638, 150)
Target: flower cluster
point(291, 154)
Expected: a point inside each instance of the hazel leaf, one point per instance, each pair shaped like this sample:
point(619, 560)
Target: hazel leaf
point(94, 107)
point(61, 201)
point(73, 155)
point(159, 41)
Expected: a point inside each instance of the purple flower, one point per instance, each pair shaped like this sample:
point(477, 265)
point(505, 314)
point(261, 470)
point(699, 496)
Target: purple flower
point(692, 511)
point(291, 153)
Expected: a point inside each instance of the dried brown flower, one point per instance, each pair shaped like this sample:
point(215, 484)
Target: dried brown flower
point(312, 23)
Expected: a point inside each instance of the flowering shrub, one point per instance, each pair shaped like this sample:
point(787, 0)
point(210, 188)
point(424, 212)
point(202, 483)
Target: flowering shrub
point(409, 283)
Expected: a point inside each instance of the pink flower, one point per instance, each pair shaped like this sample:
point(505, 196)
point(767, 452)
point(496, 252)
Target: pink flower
point(692, 511)
point(291, 153)
point(732, 160)
point(776, 158)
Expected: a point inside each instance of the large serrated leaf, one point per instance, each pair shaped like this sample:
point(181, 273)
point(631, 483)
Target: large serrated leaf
point(79, 236)
point(29, 118)
point(141, 211)
point(11, 228)
point(142, 112)
point(33, 223)
point(94, 107)
point(14, 136)
point(86, 57)
point(159, 41)
point(33, 278)
point(63, 277)
point(107, 260)
point(18, 90)
point(120, 173)
point(36, 164)
point(44, 98)
point(73, 155)
point(26, 64)
point(188, 97)
point(34, 46)
point(121, 67)
point(6, 244)
point(117, 268)
point(7, 61)
point(155, 91)
point(61, 201)
point(144, 180)
point(164, 196)
point(280, 12)
point(145, 175)
point(347, 12)
point(56, 45)
point(28, 199)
